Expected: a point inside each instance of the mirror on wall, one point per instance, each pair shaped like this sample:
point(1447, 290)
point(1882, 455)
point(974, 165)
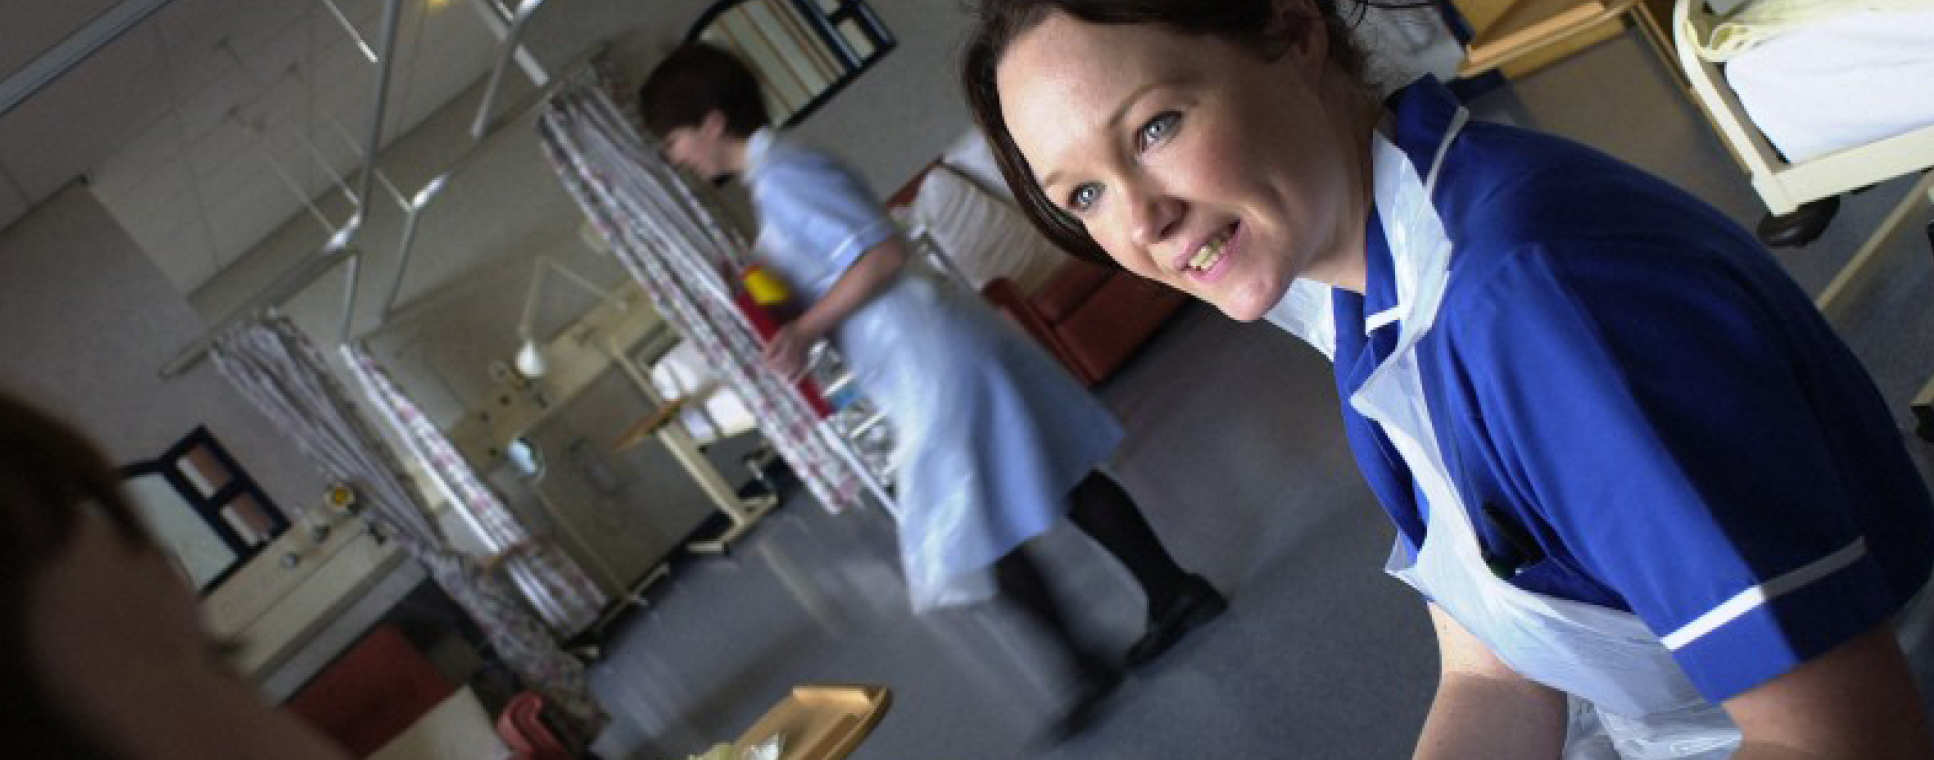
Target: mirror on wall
point(802, 51)
point(203, 508)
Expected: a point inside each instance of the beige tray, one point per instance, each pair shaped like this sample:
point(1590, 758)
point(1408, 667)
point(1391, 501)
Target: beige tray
point(820, 722)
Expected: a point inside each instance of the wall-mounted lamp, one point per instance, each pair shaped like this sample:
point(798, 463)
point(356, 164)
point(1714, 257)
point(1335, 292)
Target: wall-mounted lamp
point(530, 360)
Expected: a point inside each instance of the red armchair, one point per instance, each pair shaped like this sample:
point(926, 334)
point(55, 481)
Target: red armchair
point(1093, 318)
point(371, 693)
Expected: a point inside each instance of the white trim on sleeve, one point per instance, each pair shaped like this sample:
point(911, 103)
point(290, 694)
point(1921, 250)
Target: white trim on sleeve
point(1381, 318)
point(846, 247)
point(1746, 601)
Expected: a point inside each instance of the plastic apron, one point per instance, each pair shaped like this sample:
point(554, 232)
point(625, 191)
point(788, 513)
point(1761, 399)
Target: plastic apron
point(1628, 698)
point(1626, 690)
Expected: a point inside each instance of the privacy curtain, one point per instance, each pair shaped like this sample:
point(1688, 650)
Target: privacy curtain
point(677, 248)
point(551, 581)
point(278, 370)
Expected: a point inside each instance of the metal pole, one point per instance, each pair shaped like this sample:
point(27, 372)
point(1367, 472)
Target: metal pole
point(356, 148)
point(291, 280)
point(584, 283)
point(408, 245)
point(342, 183)
point(298, 276)
point(392, 11)
point(479, 126)
point(260, 142)
point(349, 296)
point(435, 186)
point(51, 65)
point(497, 16)
point(351, 29)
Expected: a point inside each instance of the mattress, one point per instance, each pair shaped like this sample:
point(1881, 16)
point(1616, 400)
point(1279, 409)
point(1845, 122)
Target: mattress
point(1839, 83)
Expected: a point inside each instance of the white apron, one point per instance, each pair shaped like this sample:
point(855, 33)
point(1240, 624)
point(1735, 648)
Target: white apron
point(1626, 690)
point(1629, 700)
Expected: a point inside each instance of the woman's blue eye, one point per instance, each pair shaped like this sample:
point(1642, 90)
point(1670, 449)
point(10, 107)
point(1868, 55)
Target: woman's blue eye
point(1157, 129)
point(1084, 196)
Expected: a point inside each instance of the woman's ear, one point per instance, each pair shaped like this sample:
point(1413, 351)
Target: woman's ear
point(1300, 34)
point(712, 127)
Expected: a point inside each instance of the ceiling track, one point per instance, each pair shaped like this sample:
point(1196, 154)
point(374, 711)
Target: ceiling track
point(50, 66)
point(298, 277)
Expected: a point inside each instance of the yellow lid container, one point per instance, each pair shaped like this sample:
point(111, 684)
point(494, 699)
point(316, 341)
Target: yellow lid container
point(765, 287)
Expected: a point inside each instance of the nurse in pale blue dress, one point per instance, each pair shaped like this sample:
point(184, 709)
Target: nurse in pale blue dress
point(996, 441)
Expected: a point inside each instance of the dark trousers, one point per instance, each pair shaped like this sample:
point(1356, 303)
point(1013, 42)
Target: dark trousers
point(1101, 509)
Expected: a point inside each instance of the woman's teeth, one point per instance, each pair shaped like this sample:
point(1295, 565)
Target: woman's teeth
point(1209, 254)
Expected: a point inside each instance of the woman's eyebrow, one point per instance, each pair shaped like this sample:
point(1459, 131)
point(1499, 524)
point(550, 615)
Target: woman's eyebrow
point(1114, 119)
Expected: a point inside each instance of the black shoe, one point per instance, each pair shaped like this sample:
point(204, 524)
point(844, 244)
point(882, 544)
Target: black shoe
point(1194, 604)
point(1924, 415)
point(1803, 226)
point(1097, 686)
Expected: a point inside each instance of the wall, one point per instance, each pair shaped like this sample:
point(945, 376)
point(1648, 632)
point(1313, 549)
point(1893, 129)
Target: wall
point(86, 321)
point(903, 112)
point(887, 124)
point(507, 206)
point(459, 304)
point(501, 211)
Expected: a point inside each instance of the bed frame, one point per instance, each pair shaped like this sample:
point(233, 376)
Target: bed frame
point(1783, 186)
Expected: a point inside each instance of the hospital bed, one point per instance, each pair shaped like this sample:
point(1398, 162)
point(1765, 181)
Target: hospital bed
point(1767, 104)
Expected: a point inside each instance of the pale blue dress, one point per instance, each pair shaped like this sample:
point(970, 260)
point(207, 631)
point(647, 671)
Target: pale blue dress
point(992, 432)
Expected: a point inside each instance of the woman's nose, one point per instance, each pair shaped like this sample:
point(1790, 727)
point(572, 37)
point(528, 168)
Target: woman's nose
point(674, 150)
point(1154, 217)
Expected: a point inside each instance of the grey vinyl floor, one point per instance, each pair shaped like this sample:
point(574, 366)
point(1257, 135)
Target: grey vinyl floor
point(1237, 455)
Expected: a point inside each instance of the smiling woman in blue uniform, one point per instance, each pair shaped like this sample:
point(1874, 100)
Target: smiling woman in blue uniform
point(994, 440)
point(1631, 469)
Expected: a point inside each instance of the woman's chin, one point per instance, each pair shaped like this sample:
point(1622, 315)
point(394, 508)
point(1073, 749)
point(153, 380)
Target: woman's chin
point(1250, 299)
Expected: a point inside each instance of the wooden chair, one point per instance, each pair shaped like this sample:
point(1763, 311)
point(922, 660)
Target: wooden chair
point(1783, 186)
point(819, 722)
point(1513, 31)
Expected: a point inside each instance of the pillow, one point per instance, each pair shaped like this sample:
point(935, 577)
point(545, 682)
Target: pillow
point(974, 157)
point(681, 372)
point(984, 235)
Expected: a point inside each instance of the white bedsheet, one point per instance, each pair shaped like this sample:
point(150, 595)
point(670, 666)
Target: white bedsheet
point(683, 371)
point(1841, 83)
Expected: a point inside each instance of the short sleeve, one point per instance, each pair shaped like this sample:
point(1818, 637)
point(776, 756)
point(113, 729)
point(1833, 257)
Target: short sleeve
point(822, 208)
point(1659, 419)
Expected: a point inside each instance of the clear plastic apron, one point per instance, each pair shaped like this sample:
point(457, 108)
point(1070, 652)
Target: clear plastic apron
point(1628, 698)
point(1621, 679)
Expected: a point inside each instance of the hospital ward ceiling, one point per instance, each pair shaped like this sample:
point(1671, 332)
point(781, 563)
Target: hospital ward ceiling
point(207, 124)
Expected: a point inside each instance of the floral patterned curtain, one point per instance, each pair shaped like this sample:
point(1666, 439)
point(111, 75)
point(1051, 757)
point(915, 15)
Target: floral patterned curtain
point(677, 248)
point(554, 584)
point(277, 369)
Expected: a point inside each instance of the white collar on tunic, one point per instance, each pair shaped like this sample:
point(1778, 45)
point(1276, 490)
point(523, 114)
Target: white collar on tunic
point(1419, 254)
point(1305, 312)
point(758, 148)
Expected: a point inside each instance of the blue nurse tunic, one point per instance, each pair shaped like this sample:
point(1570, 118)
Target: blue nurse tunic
point(1640, 408)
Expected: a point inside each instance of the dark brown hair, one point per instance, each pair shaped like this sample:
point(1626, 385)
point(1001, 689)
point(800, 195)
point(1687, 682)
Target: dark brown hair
point(48, 474)
point(1263, 26)
point(697, 79)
